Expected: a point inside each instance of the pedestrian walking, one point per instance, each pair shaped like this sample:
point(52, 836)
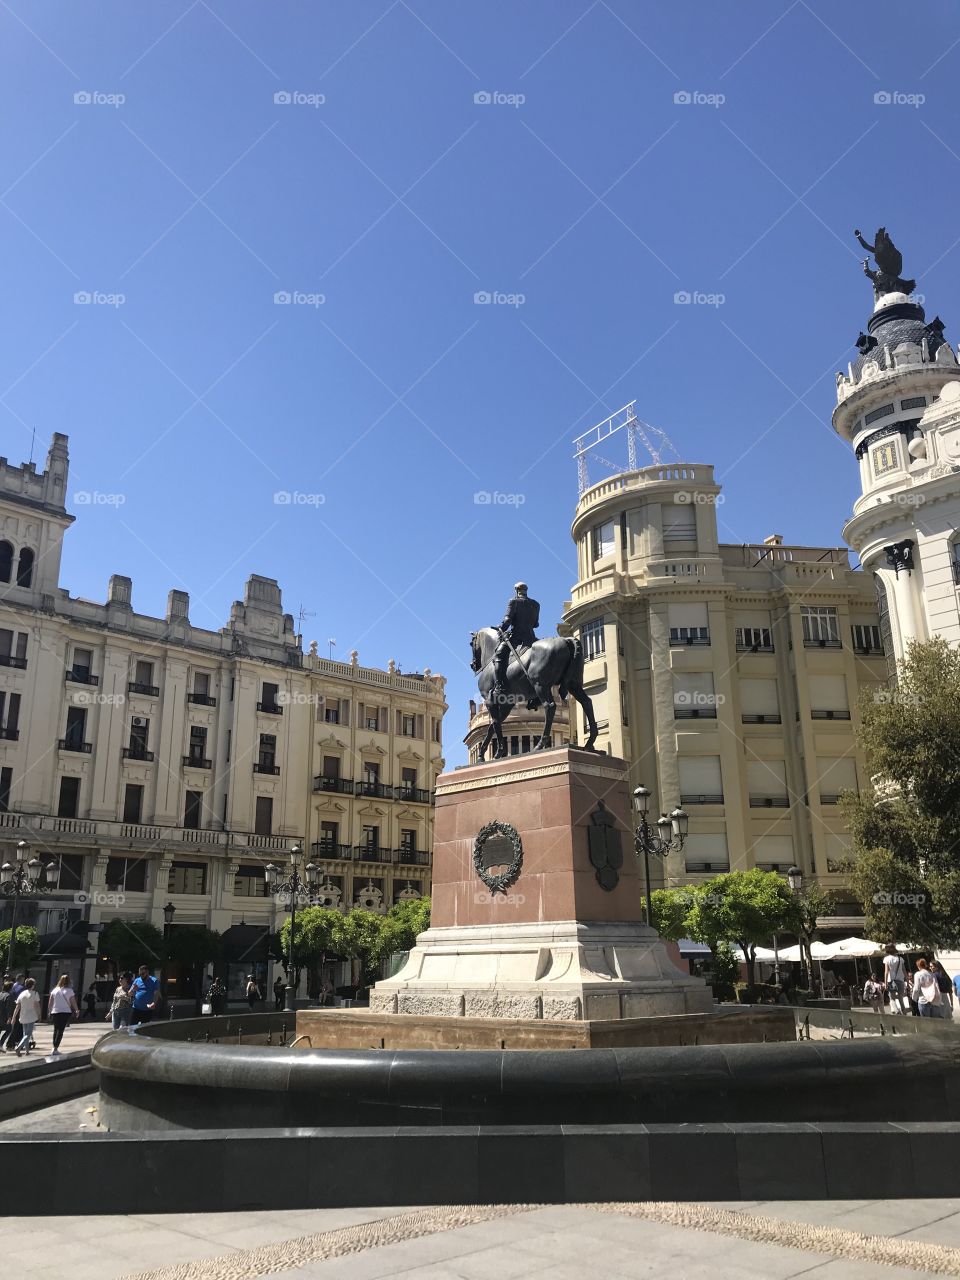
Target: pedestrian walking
point(90, 1002)
point(279, 988)
point(946, 989)
point(28, 1014)
point(217, 997)
point(62, 1007)
point(146, 996)
point(894, 975)
point(252, 992)
point(18, 984)
point(8, 1007)
point(926, 991)
point(873, 993)
point(121, 1006)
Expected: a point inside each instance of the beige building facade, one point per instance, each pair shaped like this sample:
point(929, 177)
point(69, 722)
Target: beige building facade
point(150, 761)
point(521, 730)
point(727, 675)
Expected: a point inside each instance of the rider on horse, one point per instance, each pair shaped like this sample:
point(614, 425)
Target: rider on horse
point(517, 632)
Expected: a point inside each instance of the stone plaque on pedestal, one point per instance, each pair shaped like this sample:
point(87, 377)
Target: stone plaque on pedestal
point(537, 901)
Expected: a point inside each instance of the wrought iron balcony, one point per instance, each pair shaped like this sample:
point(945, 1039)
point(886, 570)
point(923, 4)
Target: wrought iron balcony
point(202, 699)
point(822, 644)
point(137, 753)
point(260, 766)
point(412, 794)
point(694, 713)
point(197, 762)
point(711, 799)
point(342, 786)
point(331, 850)
point(769, 802)
point(829, 715)
point(80, 677)
point(365, 853)
point(772, 717)
point(8, 660)
point(72, 744)
point(270, 708)
point(378, 790)
point(413, 857)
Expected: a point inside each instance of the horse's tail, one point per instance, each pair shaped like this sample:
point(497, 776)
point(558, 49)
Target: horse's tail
point(573, 672)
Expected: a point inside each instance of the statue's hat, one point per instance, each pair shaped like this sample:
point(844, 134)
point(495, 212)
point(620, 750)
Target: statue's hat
point(519, 586)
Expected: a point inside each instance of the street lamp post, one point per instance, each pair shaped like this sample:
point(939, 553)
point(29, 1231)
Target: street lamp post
point(294, 884)
point(21, 879)
point(168, 913)
point(795, 881)
point(671, 833)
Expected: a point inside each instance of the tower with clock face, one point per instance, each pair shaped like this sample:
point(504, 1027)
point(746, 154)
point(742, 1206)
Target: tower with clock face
point(898, 405)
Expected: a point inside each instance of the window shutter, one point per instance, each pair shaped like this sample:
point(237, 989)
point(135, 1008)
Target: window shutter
point(345, 711)
point(679, 522)
point(828, 693)
point(837, 774)
point(759, 698)
point(419, 726)
point(687, 615)
point(773, 849)
point(693, 690)
point(700, 776)
point(699, 850)
point(767, 778)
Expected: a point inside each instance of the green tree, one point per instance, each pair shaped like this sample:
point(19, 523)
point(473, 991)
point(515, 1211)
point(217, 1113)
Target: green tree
point(25, 948)
point(127, 944)
point(905, 828)
point(670, 910)
point(317, 936)
point(360, 939)
point(401, 926)
point(745, 907)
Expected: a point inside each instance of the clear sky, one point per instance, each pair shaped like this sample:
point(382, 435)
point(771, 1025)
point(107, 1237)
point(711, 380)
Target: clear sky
point(384, 195)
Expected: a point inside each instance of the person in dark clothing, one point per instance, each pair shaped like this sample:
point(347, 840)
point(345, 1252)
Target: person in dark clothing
point(279, 991)
point(7, 1006)
point(90, 1002)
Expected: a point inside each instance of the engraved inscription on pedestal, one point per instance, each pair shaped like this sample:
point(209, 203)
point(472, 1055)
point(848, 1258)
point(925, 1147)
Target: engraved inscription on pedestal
point(498, 855)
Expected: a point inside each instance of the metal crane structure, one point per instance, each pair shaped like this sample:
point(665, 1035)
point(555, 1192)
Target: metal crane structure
point(587, 445)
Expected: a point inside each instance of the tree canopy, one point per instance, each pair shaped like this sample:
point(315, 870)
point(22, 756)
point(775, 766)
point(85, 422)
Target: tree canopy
point(25, 948)
point(131, 943)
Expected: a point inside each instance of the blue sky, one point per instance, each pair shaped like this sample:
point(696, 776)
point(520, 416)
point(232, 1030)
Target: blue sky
point(582, 186)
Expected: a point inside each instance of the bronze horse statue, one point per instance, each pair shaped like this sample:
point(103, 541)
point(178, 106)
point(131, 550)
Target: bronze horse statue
point(554, 662)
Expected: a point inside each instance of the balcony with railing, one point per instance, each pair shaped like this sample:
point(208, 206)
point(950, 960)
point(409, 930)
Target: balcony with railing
point(270, 708)
point(144, 690)
point(700, 799)
point(133, 834)
point(10, 660)
point(201, 699)
point(339, 786)
point(765, 717)
point(80, 677)
point(413, 795)
point(266, 766)
point(197, 762)
point(75, 744)
point(331, 851)
point(769, 802)
point(136, 752)
point(829, 715)
point(377, 790)
point(694, 713)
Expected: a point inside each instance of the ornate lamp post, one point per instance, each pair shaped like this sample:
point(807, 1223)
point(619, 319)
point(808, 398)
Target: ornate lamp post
point(795, 881)
point(293, 884)
point(20, 880)
point(671, 833)
point(168, 913)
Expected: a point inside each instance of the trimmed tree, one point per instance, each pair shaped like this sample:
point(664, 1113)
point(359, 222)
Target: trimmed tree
point(127, 944)
point(317, 936)
point(25, 948)
point(746, 908)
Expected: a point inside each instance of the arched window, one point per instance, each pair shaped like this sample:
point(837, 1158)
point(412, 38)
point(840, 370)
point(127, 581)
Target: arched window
point(25, 567)
point(6, 561)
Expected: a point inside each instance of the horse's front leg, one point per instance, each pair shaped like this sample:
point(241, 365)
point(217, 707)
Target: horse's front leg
point(549, 711)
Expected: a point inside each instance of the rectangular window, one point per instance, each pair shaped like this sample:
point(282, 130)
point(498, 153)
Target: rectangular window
point(820, 626)
point(6, 644)
point(331, 713)
point(76, 726)
point(408, 725)
point(6, 783)
point(268, 698)
point(436, 726)
point(263, 821)
point(688, 623)
point(371, 838)
point(188, 877)
point(193, 810)
point(201, 683)
point(603, 536)
point(133, 803)
point(679, 522)
point(754, 639)
point(700, 780)
point(767, 783)
point(408, 776)
point(706, 853)
point(866, 638)
point(836, 775)
point(592, 639)
point(828, 698)
point(249, 882)
point(884, 411)
point(371, 771)
point(64, 872)
point(139, 736)
point(693, 696)
point(267, 755)
point(329, 837)
point(128, 874)
point(198, 743)
point(331, 767)
point(143, 673)
point(68, 803)
point(82, 663)
point(759, 703)
point(408, 841)
point(13, 713)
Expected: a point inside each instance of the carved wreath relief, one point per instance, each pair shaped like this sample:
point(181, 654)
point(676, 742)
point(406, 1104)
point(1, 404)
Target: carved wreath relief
point(497, 845)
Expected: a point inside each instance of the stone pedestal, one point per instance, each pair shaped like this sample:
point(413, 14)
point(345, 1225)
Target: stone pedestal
point(562, 938)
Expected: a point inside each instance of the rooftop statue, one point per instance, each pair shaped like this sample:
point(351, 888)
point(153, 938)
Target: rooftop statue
point(514, 668)
point(889, 260)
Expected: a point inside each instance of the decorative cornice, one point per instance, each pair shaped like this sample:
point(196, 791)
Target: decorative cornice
point(522, 775)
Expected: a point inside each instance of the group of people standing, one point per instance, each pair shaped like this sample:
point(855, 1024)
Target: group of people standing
point(927, 991)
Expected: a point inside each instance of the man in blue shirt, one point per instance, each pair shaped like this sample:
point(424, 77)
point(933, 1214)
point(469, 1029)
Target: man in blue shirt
point(145, 991)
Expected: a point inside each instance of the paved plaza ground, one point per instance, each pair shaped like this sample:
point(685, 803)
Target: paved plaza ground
point(745, 1240)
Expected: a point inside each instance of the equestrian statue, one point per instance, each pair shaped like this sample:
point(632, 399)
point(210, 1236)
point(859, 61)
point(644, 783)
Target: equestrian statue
point(514, 668)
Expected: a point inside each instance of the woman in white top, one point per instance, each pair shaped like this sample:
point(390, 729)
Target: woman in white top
point(28, 1013)
point(63, 1007)
point(926, 992)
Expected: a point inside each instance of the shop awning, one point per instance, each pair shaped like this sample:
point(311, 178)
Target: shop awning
point(71, 944)
point(246, 944)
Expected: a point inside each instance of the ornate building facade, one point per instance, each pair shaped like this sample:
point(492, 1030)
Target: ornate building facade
point(150, 761)
point(520, 731)
point(728, 675)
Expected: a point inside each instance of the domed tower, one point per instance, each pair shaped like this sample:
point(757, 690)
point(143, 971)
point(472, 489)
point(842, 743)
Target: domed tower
point(898, 406)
